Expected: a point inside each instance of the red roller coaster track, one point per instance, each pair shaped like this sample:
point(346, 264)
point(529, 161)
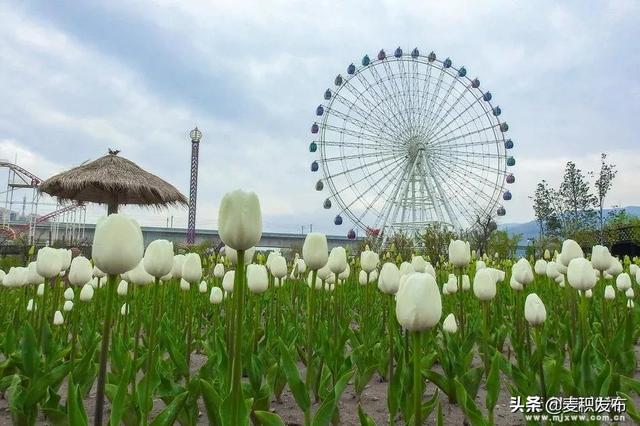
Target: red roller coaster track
point(29, 180)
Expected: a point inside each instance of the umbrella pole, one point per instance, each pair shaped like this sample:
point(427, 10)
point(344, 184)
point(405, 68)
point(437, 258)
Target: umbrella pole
point(112, 208)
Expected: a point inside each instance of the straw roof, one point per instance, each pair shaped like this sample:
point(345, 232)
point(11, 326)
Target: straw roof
point(112, 180)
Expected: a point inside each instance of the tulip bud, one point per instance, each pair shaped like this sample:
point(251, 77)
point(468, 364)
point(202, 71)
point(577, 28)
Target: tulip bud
point(389, 280)
point(452, 284)
point(588, 294)
point(117, 244)
point(534, 310)
point(67, 306)
point(202, 288)
point(123, 288)
point(418, 263)
point(419, 304)
point(158, 258)
point(301, 266)
point(547, 254)
point(337, 261)
point(86, 294)
point(257, 279)
point(215, 297)
point(459, 253)
point(139, 275)
point(362, 278)
point(68, 294)
point(369, 260)
point(484, 285)
point(480, 265)
point(40, 290)
point(449, 325)
point(552, 270)
point(279, 267)
point(240, 220)
point(227, 281)
point(315, 251)
point(345, 274)
point(623, 282)
point(192, 268)
point(600, 258)
point(522, 271)
point(615, 267)
point(629, 303)
point(48, 262)
point(232, 255)
point(633, 269)
point(58, 319)
point(609, 293)
point(540, 267)
point(629, 293)
point(570, 250)
point(81, 271)
point(218, 270)
point(466, 283)
point(30, 305)
point(580, 274)
point(124, 310)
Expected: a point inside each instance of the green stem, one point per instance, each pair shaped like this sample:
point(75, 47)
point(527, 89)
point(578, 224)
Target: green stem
point(236, 377)
point(43, 308)
point(417, 380)
point(104, 350)
point(311, 291)
point(151, 353)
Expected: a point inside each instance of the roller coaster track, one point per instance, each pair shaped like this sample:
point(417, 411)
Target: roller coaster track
point(26, 179)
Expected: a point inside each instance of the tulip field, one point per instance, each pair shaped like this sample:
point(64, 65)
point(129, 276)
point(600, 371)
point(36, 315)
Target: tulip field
point(138, 335)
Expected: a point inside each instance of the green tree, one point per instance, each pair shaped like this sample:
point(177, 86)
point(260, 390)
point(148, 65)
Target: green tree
point(500, 242)
point(576, 201)
point(544, 210)
point(434, 241)
point(603, 184)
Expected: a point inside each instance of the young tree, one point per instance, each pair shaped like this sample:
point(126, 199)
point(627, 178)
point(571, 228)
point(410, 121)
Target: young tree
point(545, 211)
point(577, 201)
point(603, 184)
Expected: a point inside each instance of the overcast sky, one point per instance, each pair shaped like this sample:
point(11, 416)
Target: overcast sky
point(77, 78)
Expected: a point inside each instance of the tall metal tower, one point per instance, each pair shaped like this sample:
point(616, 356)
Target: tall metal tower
point(196, 135)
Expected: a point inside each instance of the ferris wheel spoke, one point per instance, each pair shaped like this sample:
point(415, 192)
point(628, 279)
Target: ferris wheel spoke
point(358, 145)
point(381, 83)
point(390, 169)
point(375, 96)
point(439, 141)
point(402, 102)
point(471, 164)
point(484, 113)
point(354, 156)
point(426, 117)
point(354, 169)
point(373, 114)
point(360, 135)
point(359, 123)
point(434, 121)
point(363, 124)
point(472, 154)
point(426, 85)
point(451, 108)
point(394, 203)
point(477, 143)
point(472, 182)
point(405, 83)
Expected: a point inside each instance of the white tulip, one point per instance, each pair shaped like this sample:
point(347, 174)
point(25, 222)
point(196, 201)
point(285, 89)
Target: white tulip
point(369, 260)
point(466, 283)
point(257, 279)
point(227, 281)
point(629, 303)
point(580, 274)
point(86, 294)
point(158, 258)
point(67, 306)
point(48, 262)
point(459, 253)
point(406, 268)
point(452, 284)
point(176, 268)
point(58, 319)
point(540, 267)
point(279, 267)
point(629, 293)
point(117, 244)
point(69, 294)
point(514, 284)
point(218, 270)
point(419, 304)
point(389, 279)
point(184, 285)
point(480, 265)
point(240, 220)
point(124, 310)
point(192, 268)
point(33, 277)
point(345, 274)
point(202, 288)
point(40, 290)
point(484, 284)
point(337, 261)
point(552, 270)
point(318, 283)
point(98, 273)
point(522, 271)
point(534, 310)
point(601, 258)
point(81, 271)
point(449, 325)
point(418, 263)
point(615, 268)
point(215, 296)
point(232, 255)
point(609, 293)
point(570, 250)
point(623, 282)
point(139, 275)
point(123, 288)
point(30, 306)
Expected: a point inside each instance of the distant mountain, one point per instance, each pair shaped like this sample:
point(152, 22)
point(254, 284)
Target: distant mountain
point(530, 229)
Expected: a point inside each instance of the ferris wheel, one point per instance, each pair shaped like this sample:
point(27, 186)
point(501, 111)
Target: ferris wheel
point(407, 140)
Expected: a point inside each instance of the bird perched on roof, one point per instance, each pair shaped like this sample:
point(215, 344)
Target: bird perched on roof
point(113, 151)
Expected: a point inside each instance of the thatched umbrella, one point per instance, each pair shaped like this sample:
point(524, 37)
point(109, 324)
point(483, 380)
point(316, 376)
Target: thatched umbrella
point(112, 180)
